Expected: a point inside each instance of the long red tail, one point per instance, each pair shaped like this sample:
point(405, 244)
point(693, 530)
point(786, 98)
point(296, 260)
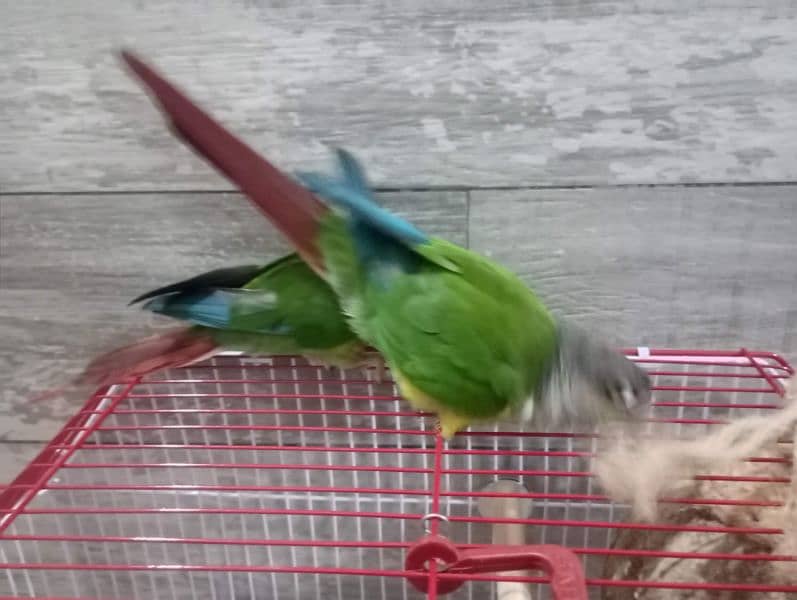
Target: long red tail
point(173, 348)
point(291, 207)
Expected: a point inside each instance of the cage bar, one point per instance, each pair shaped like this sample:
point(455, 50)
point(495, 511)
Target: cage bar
point(246, 477)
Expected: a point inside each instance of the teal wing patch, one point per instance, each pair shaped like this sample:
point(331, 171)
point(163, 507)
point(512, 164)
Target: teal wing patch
point(221, 309)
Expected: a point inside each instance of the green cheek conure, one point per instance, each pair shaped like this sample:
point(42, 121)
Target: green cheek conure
point(281, 308)
point(464, 337)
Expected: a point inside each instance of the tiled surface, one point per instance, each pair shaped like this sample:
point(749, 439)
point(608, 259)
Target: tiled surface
point(465, 97)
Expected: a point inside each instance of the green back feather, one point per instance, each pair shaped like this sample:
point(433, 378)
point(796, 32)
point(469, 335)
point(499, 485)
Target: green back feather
point(456, 326)
point(303, 307)
point(462, 329)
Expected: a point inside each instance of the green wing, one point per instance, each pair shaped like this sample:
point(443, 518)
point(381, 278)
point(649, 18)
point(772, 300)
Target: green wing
point(282, 307)
point(302, 306)
point(468, 334)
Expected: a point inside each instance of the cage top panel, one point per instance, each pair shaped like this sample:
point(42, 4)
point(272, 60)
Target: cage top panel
point(247, 477)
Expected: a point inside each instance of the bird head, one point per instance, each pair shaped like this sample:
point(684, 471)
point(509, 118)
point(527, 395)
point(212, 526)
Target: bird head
point(591, 382)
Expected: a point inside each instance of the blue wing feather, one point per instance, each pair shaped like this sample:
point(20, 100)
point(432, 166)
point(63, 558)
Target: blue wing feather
point(211, 308)
point(214, 308)
point(353, 173)
point(353, 194)
point(385, 243)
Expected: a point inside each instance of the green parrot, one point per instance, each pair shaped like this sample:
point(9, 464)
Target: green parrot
point(280, 308)
point(464, 337)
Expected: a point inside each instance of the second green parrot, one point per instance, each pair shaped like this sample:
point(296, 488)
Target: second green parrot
point(280, 308)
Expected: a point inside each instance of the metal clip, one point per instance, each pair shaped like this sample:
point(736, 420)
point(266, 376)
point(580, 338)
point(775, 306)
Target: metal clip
point(428, 517)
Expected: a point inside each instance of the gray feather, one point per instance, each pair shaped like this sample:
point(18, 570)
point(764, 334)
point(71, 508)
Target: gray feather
point(589, 382)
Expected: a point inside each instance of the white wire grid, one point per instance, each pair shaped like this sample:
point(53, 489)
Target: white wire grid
point(179, 474)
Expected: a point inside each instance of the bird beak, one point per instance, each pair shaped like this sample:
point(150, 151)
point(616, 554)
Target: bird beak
point(629, 399)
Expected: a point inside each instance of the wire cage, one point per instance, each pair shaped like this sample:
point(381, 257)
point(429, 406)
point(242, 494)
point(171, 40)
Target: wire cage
point(254, 478)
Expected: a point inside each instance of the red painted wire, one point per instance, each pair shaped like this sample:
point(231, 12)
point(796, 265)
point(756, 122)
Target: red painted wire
point(84, 433)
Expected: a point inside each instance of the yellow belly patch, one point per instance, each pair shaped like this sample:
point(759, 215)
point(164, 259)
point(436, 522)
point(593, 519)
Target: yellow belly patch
point(450, 422)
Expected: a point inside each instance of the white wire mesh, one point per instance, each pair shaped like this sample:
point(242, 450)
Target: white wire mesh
point(183, 476)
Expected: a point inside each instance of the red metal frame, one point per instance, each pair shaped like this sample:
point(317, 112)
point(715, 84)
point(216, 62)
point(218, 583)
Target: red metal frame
point(111, 420)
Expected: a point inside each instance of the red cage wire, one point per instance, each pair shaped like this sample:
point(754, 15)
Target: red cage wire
point(246, 477)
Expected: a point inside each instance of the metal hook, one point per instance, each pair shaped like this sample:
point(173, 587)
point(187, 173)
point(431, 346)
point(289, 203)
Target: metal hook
point(428, 517)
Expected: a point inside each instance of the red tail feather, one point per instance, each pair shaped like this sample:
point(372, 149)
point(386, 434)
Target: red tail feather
point(171, 349)
point(291, 207)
